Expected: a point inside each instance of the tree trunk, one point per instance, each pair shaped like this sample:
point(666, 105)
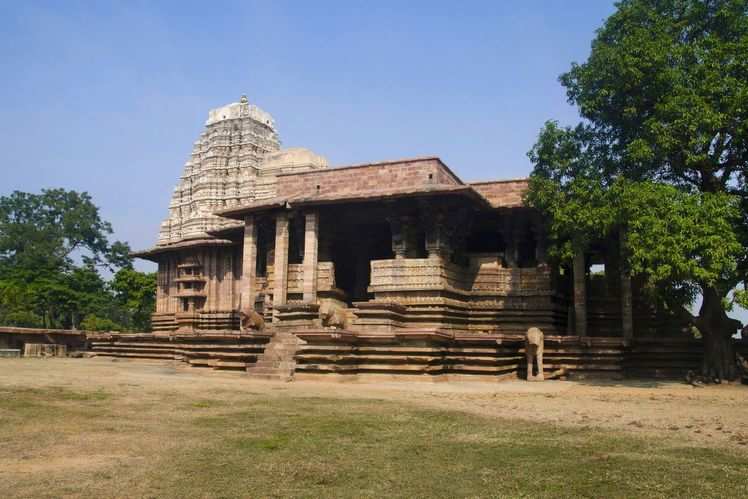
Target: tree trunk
point(717, 330)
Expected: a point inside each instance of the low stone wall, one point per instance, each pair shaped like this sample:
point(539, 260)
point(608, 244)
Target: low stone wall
point(433, 353)
point(217, 350)
point(482, 297)
point(16, 338)
point(495, 315)
point(44, 350)
point(480, 277)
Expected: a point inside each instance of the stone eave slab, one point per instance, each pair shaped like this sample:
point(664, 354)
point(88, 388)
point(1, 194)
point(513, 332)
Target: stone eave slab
point(151, 253)
point(239, 212)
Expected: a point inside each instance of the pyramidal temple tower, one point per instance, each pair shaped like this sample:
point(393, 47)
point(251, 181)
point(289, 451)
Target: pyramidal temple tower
point(234, 161)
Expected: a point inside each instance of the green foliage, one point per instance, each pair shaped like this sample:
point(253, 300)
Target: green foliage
point(44, 230)
point(662, 152)
point(135, 292)
point(52, 247)
point(678, 238)
point(95, 323)
point(666, 89)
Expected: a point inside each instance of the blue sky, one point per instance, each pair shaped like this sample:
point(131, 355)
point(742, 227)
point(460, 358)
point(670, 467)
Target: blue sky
point(108, 97)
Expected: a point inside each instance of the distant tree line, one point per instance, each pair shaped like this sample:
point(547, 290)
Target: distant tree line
point(54, 255)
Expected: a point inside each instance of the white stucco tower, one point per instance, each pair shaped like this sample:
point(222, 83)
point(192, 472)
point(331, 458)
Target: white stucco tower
point(234, 161)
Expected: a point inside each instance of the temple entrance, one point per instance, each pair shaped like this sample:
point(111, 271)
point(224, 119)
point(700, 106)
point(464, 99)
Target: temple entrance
point(352, 253)
point(356, 238)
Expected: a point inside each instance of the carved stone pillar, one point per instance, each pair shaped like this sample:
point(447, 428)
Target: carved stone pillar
point(297, 225)
point(627, 312)
point(541, 244)
point(161, 296)
point(311, 256)
point(460, 226)
point(410, 237)
point(249, 264)
point(280, 266)
point(580, 294)
point(511, 241)
point(437, 238)
point(398, 236)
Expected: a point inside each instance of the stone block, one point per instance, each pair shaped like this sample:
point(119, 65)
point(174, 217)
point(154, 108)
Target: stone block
point(44, 350)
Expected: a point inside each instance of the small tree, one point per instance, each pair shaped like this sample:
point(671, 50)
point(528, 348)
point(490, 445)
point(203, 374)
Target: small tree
point(135, 292)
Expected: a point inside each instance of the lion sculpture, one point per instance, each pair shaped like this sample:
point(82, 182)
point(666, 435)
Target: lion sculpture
point(333, 315)
point(249, 319)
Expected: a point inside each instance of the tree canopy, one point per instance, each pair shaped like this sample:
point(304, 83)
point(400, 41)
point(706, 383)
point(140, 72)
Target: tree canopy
point(53, 248)
point(660, 155)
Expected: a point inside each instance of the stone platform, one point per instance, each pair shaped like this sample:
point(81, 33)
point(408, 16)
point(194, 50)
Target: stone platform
point(216, 350)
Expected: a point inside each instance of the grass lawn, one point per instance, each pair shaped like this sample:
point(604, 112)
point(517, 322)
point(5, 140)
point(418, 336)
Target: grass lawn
point(70, 442)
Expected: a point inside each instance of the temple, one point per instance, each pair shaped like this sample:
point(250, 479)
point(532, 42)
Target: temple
point(387, 267)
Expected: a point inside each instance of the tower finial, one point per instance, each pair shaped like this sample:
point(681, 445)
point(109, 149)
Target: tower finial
point(244, 99)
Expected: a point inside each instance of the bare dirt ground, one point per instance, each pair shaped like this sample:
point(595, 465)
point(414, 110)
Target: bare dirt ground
point(712, 416)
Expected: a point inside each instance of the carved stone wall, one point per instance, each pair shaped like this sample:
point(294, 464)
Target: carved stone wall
point(480, 277)
point(325, 277)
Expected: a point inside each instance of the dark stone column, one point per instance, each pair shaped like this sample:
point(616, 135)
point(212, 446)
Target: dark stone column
point(398, 236)
point(580, 294)
point(437, 238)
point(510, 241)
point(627, 312)
point(541, 243)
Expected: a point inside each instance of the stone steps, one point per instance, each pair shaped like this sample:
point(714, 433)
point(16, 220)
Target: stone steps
point(199, 351)
point(278, 360)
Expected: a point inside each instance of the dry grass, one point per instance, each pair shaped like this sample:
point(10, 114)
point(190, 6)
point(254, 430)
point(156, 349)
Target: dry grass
point(149, 437)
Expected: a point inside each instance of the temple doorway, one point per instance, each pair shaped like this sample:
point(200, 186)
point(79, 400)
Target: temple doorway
point(355, 239)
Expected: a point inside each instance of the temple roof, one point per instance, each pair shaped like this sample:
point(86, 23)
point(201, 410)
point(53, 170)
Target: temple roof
point(426, 176)
point(188, 243)
point(502, 193)
point(386, 180)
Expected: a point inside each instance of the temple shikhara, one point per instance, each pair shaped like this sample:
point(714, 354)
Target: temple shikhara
point(272, 261)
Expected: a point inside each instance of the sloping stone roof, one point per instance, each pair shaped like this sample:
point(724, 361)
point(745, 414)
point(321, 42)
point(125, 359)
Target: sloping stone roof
point(502, 193)
point(189, 243)
point(388, 179)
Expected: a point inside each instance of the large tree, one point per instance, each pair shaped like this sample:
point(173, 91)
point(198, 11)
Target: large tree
point(660, 156)
point(53, 247)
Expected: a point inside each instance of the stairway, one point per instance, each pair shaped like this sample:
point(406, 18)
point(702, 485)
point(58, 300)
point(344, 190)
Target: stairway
point(230, 352)
point(278, 361)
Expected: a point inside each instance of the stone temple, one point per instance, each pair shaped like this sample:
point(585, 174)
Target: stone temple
point(394, 267)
